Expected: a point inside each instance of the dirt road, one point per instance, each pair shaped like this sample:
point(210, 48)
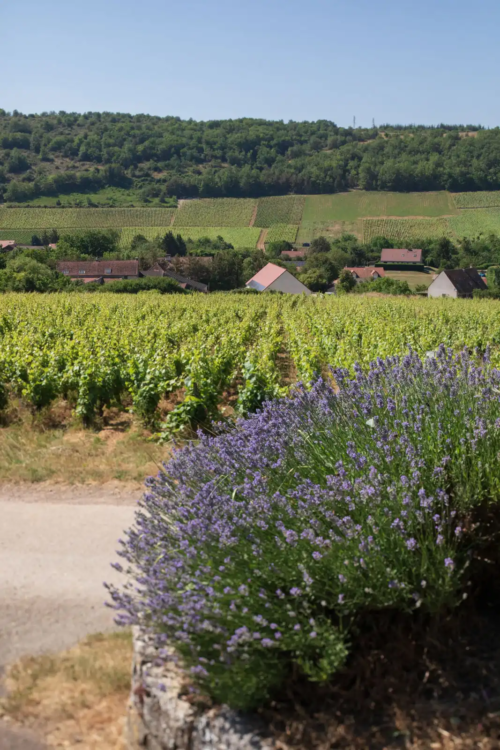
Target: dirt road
point(56, 545)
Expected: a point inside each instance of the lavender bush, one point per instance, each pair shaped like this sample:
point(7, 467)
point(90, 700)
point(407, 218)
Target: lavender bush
point(255, 551)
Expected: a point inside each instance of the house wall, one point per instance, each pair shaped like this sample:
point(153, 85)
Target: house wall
point(289, 284)
point(442, 287)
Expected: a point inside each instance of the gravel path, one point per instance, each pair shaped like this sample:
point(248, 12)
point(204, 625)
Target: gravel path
point(56, 545)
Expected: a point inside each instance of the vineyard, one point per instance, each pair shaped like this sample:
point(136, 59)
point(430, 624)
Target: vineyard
point(285, 209)
point(279, 232)
point(402, 217)
point(84, 218)
point(216, 212)
point(484, 199)
point(406, 230)
point(184, 361)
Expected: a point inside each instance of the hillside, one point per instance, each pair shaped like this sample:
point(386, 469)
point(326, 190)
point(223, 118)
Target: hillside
point(108, 158)
point(404, 218)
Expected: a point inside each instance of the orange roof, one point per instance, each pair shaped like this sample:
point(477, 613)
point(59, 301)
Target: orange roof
point(366, 272)
point(7, 243)
point(266, 276)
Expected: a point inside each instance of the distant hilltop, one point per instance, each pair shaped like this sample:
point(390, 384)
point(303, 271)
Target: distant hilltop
point(156, 160)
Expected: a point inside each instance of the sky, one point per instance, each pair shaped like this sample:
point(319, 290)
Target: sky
point(391, 61)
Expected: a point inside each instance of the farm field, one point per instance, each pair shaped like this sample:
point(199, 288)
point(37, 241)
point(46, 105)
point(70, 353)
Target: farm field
point(483, 199)
point(237, 236)
point(215, 212)
point(402, 217)
point(414, 278)
point(286, 209)
point(361, 204)
point(84, 218)
point(151, 356)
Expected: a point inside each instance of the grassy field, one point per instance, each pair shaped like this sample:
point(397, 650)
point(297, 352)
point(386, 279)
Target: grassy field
point(237, 236)
point(278, 232)
point(361, 204)
point(414, 278)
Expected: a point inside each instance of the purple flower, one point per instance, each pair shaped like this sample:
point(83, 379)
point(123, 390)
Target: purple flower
point(411, 544)
point(449, 563)
point(312, 634)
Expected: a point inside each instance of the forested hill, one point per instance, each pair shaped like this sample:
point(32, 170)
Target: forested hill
point(52, 154)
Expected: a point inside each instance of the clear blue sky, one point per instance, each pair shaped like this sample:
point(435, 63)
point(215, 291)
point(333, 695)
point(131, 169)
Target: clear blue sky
point(393, 60)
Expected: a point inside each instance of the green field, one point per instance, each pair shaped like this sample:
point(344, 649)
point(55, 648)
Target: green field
point(84, 218)
point(484, 199)
point(282, 232)
point(413, 278)
point(110, 196)
point(237, 236)
point(284, 209)
point(402, 217)
point(215, 212)
point(405, 230)
point(360, 204)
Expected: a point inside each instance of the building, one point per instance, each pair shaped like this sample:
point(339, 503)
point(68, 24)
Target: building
point(401, 256)
point(293, 254)
point(273, 278)
point(366, 273)
point(157, 270)
point(96, 270)
point(7, 245)
point(460, 282)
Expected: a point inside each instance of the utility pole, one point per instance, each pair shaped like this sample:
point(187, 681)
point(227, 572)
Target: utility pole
point(373, 122)
point(354, 121)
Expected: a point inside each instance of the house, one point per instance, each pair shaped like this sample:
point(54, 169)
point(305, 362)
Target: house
point(401, 256)
point(366, 273)
point(273, 278)
point(185, 282)
point(7, 245)
point(460, 282)
point(107, 270)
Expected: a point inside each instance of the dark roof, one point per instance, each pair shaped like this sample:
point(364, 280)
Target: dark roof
point(155, 270)
point(185, 282)
point(400, 255)
point(99, 267)
point(465, 280)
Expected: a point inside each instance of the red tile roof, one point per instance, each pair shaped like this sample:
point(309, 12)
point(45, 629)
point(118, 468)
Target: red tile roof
point(267, 275)
point(5, 244)
point(366, 272)
point(99, 268)
point(90, 279)
point(400, 255)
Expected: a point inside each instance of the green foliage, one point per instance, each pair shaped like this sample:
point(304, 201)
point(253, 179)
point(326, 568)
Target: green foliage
point(25, 274)
point(161, 284)
point(347, 282)
point(282, 233)
point(95, 243)
point(383, 285)
point(493, 277)
point(215, 213)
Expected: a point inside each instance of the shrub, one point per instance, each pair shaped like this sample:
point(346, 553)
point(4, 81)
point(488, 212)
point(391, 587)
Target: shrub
point(384, 285)
point(163, 284)
point(256, 552)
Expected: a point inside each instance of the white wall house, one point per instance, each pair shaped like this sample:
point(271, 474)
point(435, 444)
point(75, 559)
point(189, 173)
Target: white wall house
point(460, 282)
point(273, 278)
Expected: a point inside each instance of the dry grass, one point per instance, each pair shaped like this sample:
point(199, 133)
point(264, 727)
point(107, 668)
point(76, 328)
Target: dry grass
point(75, 456)
point(76, 699)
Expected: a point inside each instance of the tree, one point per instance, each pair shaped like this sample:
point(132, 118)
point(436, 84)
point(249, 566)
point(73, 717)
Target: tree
point(253, 264)
point(321, 262)
point(227, 271)
point(319, 245)
point(95, 243)
point(346, 282)
point(315, 279)
point(181, 246)
point(274, 249)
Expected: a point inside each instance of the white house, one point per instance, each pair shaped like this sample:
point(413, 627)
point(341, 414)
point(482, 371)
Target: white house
point(273, 278)
point(460, 282)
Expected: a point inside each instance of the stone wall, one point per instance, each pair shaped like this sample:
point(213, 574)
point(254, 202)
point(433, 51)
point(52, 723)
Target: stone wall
point(161, 716)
